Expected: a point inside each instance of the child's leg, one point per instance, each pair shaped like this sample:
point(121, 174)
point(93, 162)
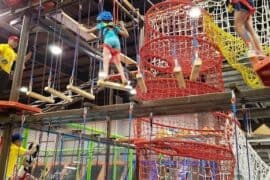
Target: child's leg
point(239, 23)
point(106, 61)
point(120, 68)
point(254, 38)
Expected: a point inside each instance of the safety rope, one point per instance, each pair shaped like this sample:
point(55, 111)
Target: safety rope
point(60, 155)
point(81, 145)
point(130, 120)
point(76, 54)
point(91, 147)
point(45, 170)
point(115, 159)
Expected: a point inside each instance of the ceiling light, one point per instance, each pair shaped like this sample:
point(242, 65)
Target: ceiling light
point(70, 167)
point(195, 12)
point(133, 92)
point(13, 22)
point(24, 89)
point(55, 49)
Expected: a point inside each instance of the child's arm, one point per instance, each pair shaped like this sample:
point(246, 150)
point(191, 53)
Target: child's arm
point(123, 31)
point(92, 30)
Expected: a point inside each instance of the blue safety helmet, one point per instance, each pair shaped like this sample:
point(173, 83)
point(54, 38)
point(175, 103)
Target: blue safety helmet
point(105, 16)
point(16, 136)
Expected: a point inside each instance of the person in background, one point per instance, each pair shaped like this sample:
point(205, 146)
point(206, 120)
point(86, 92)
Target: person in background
point(243, 11)
point(8, 58)
point(110, 33)
point(25, 170)
point(15, 152)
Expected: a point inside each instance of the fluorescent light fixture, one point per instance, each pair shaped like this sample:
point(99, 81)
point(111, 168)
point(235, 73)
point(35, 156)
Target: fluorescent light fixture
point(23, 89)
point(70, 167)
point(13, 22)
point(55, 49)
point(195, 12)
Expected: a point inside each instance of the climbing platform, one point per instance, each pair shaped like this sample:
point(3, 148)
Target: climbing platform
point(10, 106)
point(262, 68)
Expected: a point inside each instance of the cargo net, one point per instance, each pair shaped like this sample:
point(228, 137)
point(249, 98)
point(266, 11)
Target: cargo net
point(220, 30)
point(155, 166)
point(203, 139)
point(174, 39)
point(251, 165)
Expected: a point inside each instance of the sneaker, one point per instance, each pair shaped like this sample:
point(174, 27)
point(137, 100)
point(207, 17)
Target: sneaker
point(102, 76)
point(251, 53)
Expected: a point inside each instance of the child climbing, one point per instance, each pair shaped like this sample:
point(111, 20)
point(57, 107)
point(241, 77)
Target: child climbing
point(111, 43)
point(26, 169)
point(15, 152)
point(243, 10)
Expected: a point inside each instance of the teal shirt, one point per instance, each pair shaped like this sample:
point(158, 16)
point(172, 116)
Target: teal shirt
point(110, 35)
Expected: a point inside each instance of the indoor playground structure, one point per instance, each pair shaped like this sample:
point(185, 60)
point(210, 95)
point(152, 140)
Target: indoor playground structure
point(179, 117)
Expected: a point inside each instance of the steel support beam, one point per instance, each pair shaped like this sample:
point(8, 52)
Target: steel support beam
point(70, 38)
point(5, 149)
point(201, 103)
point(17, 78)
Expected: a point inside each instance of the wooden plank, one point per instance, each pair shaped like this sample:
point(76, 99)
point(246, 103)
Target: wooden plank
point(179, 77)
point(81, 92)
point(195, 69)
point(113, 85)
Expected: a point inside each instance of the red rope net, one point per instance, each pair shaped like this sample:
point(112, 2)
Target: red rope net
point(190, 146)
point(154, 166)
point(171, 38)
point(203, 137)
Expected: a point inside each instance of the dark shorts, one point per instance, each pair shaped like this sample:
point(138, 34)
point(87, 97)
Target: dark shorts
point(4, 80)
point(241, 7)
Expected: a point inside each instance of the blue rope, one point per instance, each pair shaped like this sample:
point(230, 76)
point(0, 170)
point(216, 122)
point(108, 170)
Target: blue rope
point(35, 50)
point(130, 118)
point(76, 54)
point(60, 155)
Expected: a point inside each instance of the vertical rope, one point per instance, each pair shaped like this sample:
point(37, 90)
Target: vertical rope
point(130, 118)
point(90, 160)
point(245, 119)
point(60, 155)
point(233, 105)
point(76, 54)
point(115, 159)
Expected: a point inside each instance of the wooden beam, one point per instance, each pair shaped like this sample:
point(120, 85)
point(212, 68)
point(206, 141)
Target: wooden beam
point(58, 94)
point(113, 85)
point(39, 97)
point(81, 92)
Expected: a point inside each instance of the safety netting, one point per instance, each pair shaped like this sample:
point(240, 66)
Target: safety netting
point(172, 39)
point(202, 138)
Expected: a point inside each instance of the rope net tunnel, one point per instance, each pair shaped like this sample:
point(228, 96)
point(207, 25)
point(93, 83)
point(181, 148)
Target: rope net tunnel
point(173, 38)
point(189, 145)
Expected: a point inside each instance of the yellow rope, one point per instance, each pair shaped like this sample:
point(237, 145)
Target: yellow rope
point(232, 48)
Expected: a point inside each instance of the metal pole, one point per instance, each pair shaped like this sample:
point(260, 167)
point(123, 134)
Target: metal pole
point(107, 158)
point(5, 150)
point(17, 78)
